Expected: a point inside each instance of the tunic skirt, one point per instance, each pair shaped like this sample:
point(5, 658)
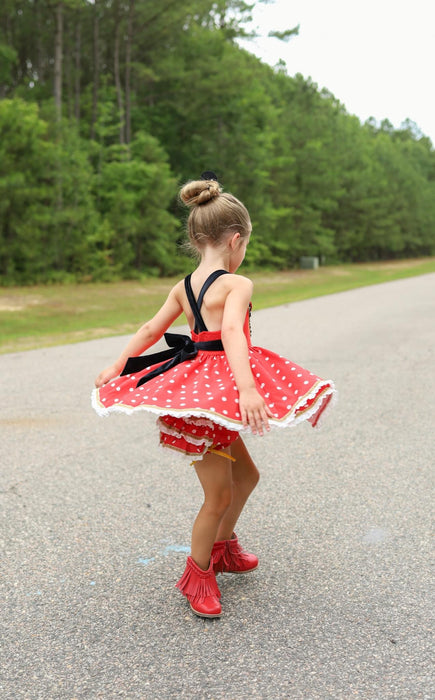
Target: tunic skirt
point(196, 400)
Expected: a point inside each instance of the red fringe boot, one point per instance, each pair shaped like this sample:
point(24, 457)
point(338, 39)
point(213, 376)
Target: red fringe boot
point(201, 589)
point(229, 557)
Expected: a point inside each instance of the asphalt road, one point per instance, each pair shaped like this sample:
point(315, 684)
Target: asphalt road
point(96, 518)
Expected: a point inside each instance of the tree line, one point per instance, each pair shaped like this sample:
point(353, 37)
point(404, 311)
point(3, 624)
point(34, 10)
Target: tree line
point(106, 107)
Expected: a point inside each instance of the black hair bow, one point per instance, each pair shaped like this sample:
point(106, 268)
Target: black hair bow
point(209, 175)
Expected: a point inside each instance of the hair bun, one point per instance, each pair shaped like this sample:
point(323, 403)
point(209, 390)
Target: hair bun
point(199, 192)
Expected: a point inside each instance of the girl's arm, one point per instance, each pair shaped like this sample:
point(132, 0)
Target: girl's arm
point(253, 409)
point(146, 336)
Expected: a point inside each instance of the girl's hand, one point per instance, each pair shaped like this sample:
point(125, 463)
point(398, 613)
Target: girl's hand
point(106, 375)
point(254, 411)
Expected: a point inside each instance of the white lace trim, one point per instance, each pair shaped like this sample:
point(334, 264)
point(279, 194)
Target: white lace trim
point(199, 422)
point(185, 413)
point(288, 422)
point(168, 430)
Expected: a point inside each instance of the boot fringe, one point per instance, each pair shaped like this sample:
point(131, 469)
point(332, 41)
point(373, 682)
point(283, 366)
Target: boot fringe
point(229, 557)
point(238, 558)
point(221, 556)
point(197, 584)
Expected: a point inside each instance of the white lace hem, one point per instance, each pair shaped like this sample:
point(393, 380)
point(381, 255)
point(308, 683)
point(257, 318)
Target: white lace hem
point(289, 421)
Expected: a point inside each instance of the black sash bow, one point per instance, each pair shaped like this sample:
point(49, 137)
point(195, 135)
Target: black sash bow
point(182, 348)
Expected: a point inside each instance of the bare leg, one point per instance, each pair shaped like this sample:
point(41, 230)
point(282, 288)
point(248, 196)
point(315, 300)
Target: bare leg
point(214, 473)
point(244, 477)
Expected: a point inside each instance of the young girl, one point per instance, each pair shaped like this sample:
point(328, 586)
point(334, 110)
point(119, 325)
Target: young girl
point(209, 388)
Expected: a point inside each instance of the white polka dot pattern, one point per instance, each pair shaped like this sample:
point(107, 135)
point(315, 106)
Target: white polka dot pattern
point(205, 386)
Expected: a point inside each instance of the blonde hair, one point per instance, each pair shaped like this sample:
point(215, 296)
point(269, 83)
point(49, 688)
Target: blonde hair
point(213, 213)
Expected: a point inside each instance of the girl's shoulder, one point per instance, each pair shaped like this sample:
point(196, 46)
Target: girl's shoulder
point(177, 289)
point(238, 282)
point(238, 288)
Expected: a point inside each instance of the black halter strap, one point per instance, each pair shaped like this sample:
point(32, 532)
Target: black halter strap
point(182, 347)
point(196, 305)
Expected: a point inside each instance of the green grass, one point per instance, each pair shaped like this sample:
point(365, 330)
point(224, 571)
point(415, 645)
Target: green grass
point(34, 317)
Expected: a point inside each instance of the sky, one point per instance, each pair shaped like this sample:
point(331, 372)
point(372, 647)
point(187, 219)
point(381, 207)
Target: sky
point(377, 57)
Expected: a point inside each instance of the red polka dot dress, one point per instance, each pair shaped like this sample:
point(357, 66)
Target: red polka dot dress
point(192, 390)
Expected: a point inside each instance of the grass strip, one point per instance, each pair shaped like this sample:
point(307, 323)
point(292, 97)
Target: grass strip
point(42, 316)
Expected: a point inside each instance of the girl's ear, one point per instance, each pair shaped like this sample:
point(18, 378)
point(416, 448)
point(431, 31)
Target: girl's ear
point(234, 240)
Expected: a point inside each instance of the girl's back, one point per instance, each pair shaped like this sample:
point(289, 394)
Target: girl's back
point(214, 300)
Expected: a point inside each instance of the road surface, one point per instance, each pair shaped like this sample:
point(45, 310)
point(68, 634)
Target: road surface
point(96, 518)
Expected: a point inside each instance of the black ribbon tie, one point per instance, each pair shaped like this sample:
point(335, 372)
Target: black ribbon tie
point(182, 348)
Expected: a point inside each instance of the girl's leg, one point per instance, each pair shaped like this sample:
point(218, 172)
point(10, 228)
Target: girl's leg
point(214, 473)
point(244, 477)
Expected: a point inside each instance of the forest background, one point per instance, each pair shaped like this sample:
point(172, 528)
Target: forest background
point(106, 107)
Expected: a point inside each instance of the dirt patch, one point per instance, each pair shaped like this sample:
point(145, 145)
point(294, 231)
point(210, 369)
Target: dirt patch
point(10, 307)
point(10, 303)
point(338, 272)
point(395, 265)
